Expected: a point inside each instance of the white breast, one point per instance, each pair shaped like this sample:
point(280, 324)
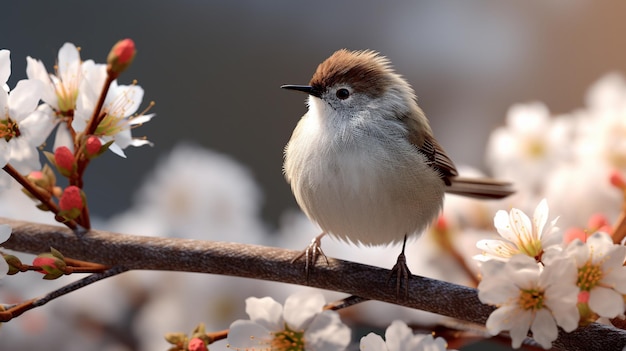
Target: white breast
point(358, 185)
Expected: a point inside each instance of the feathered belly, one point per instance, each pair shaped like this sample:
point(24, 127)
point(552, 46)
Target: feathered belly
point(369, 196)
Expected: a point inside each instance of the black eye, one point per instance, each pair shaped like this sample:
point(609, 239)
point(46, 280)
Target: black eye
point(343, 94)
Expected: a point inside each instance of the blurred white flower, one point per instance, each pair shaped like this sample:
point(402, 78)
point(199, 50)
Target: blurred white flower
point(530, 298)
point(601, 273)
point(5, 233)
point(196, 193)
point(521, 235)
point(602, 129)
point(23, 127)
point(399, 337)
point(301, 325)
point(530, 143)
point(578, 191)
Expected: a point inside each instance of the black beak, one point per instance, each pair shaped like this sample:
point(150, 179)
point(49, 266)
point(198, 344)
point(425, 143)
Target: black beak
point(303, 88)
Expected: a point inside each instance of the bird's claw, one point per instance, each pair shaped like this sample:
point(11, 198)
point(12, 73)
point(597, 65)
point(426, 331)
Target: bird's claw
point(402, 273)
point(311, 254)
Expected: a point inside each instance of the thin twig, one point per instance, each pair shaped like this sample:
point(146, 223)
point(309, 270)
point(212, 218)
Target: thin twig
point(14, 311)
point(43, 198)
point(273, 264)
point(619, 233)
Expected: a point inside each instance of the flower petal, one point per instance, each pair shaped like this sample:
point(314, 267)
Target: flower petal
point(502, 223)
point(523, 271)
point(23, 99)
point(5, 152)
point(116, 149)
point(599, 244)
point(509, 317)
point(497, 248)
point(540, 218)
point(245, 334)
point(614, 257)
point(5, 232)
point(616, 279)
point(606, 302)
point(301, 308)
point(36, 70)
point(327, 332)
point(37, 126)
point(63, 138)
point(4, 267)
point(521, 226)
point(544, 328)
point(123, 100)
point(398, 336)
point(519, 328)
point(5, 66)
point(141, 119)
point(372, 342)
point(68, 62)
point(265, 312)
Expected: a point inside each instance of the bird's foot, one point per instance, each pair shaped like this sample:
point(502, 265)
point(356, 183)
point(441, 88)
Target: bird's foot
point(402, 273)
point(311, 253)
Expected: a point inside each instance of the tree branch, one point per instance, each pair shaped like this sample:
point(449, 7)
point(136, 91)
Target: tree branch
point(273, 264)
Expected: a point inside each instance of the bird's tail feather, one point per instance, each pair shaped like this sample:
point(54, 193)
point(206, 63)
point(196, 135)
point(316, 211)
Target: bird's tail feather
point(480, 188)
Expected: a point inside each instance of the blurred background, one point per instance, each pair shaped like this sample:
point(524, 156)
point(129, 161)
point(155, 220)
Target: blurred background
point(214, 70)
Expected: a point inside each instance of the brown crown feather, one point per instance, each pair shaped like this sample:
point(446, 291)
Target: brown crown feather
point(365, 71)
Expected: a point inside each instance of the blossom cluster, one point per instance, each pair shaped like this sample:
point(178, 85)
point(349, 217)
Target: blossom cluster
point(539, 282)
point(304, 324)
point(69, 98)
point(90, 112)
point(540, 277)
point(567, 158)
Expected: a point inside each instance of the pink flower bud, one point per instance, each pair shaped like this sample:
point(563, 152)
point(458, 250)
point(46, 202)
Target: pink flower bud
point(573, 234)
point(597, 220)
point(617, 180)
point(52, 266)
point(196, 344)
point(93, 146)
point(71, 199)
point(64, 159)
point(121, 55)
point(45, 261)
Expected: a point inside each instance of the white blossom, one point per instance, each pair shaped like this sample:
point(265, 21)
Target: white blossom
point(23, 127)
point(399, 337)
point(530, 143)
point(520, 234)
point(601, 273)
point(301, 325)
point(529, 297)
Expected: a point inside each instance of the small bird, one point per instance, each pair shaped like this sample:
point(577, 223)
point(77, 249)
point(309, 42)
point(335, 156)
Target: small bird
point(363, 163)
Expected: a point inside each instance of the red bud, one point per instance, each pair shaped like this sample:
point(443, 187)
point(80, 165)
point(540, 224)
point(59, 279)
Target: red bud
point(93, 146)
point(71, 199)
point(64, 159)
point(121, 55)
point(196, 344)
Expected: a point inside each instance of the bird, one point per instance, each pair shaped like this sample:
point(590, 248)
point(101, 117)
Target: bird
point(363, 163)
